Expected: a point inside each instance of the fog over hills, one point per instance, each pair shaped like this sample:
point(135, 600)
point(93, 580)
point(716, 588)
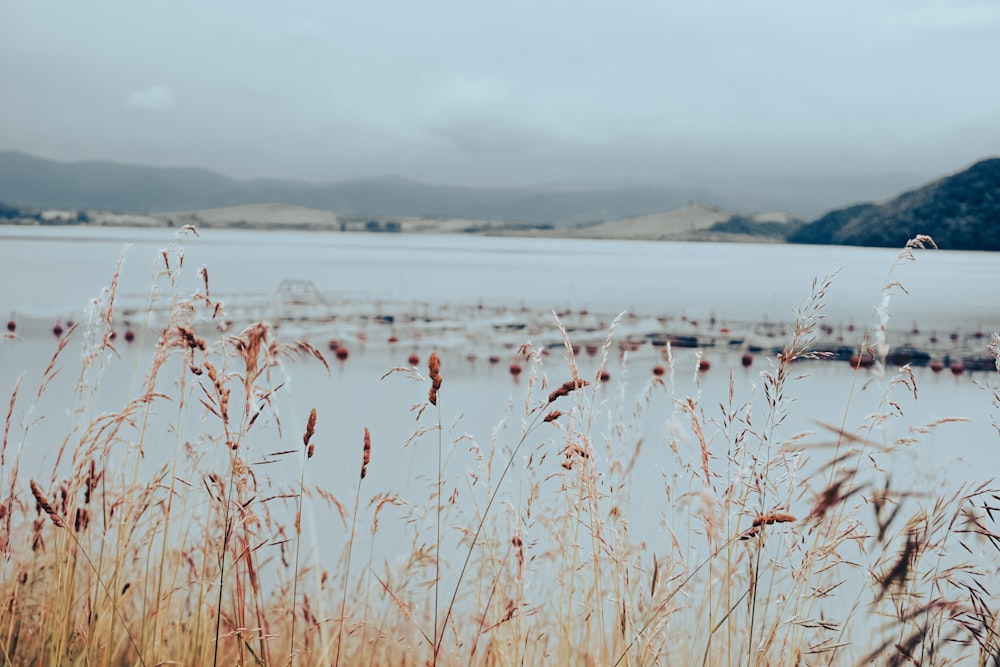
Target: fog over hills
point(960, 210)
point(31, 181)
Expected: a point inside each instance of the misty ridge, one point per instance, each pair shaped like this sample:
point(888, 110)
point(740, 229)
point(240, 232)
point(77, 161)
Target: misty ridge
point(960, 211)
point(30, 181)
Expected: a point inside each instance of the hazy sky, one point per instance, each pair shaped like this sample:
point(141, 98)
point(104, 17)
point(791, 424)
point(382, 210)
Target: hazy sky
point(512, 92)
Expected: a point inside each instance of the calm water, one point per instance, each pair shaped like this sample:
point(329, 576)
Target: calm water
point(55, 270)
point(49, 273)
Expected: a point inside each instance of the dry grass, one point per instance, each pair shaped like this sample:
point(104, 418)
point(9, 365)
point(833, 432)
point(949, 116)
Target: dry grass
point(158, 536)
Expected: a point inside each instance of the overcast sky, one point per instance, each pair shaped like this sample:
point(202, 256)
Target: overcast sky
point(506, 93)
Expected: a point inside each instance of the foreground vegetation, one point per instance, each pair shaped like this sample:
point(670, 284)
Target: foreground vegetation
point(159, 536)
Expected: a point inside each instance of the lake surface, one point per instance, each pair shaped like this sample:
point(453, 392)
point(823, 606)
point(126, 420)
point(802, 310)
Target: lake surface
point(51, 273)
point(57, 269)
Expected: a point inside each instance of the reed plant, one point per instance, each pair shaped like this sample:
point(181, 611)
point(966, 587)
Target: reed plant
point(158, 532)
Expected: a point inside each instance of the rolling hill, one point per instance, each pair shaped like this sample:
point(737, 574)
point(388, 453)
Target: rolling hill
point(960, 212)
point(30, 181)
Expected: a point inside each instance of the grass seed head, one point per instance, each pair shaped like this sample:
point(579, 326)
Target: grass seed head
point(434, 371)
point(310, 427)
point(44, 504)
point(367, 453)
point(566, 388)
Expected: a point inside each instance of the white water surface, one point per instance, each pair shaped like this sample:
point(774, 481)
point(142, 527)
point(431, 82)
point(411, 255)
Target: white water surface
point(56, 269)
point(54, 272)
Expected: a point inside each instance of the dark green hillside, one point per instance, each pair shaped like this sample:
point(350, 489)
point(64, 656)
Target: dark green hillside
point(8, 211)
point(741, 224)
point(961, 212)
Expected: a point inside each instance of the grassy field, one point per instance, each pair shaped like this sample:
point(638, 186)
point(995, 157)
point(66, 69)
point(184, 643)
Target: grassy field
point(774, 548)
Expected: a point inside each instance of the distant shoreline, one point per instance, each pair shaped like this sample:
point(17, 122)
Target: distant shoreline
point(690, 223)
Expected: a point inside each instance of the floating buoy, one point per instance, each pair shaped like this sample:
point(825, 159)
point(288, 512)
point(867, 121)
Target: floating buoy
point(515, 369)
point(604, 376)
point(957, 368)
point(342, 353)
point(413, 359)
point(867, 361)
point(937, 365)
point(11, 326)
point(592, 349)
point(333, 345)
point(723, 329)
point(129, 336)
point(746, 360)
point(704, 364)
point(393, 339)
point(576, 349)
point(494, 359)
point(57, 330)
point(953, 336)
point(862, 361)
point(659, 370)
point(112, 335)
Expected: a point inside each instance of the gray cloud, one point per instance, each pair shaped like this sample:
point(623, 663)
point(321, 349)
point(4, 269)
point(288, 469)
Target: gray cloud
point(154, 98)
point(509, 93)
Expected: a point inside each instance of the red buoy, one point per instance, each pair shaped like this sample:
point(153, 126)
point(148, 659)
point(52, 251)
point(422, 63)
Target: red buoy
point(515, 369)
point(333, 345)
point(57, 330)
point(957, 367)
point(494, 359)
point(342, 353)
point(604, 376)
point(129, 336)
point(592, 350)
point(865, 360)
point(704, 364)
point(746, 360)
point(11, 326)
point(413, 359)
point(393, 339)
point(937, 365)
point(659, 371)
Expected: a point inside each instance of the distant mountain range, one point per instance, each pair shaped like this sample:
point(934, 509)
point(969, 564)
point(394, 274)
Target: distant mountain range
point(30, 181)
point(960, 211)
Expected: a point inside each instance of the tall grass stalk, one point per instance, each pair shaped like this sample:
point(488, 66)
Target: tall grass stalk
point(160, 531)
point(366, 458)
